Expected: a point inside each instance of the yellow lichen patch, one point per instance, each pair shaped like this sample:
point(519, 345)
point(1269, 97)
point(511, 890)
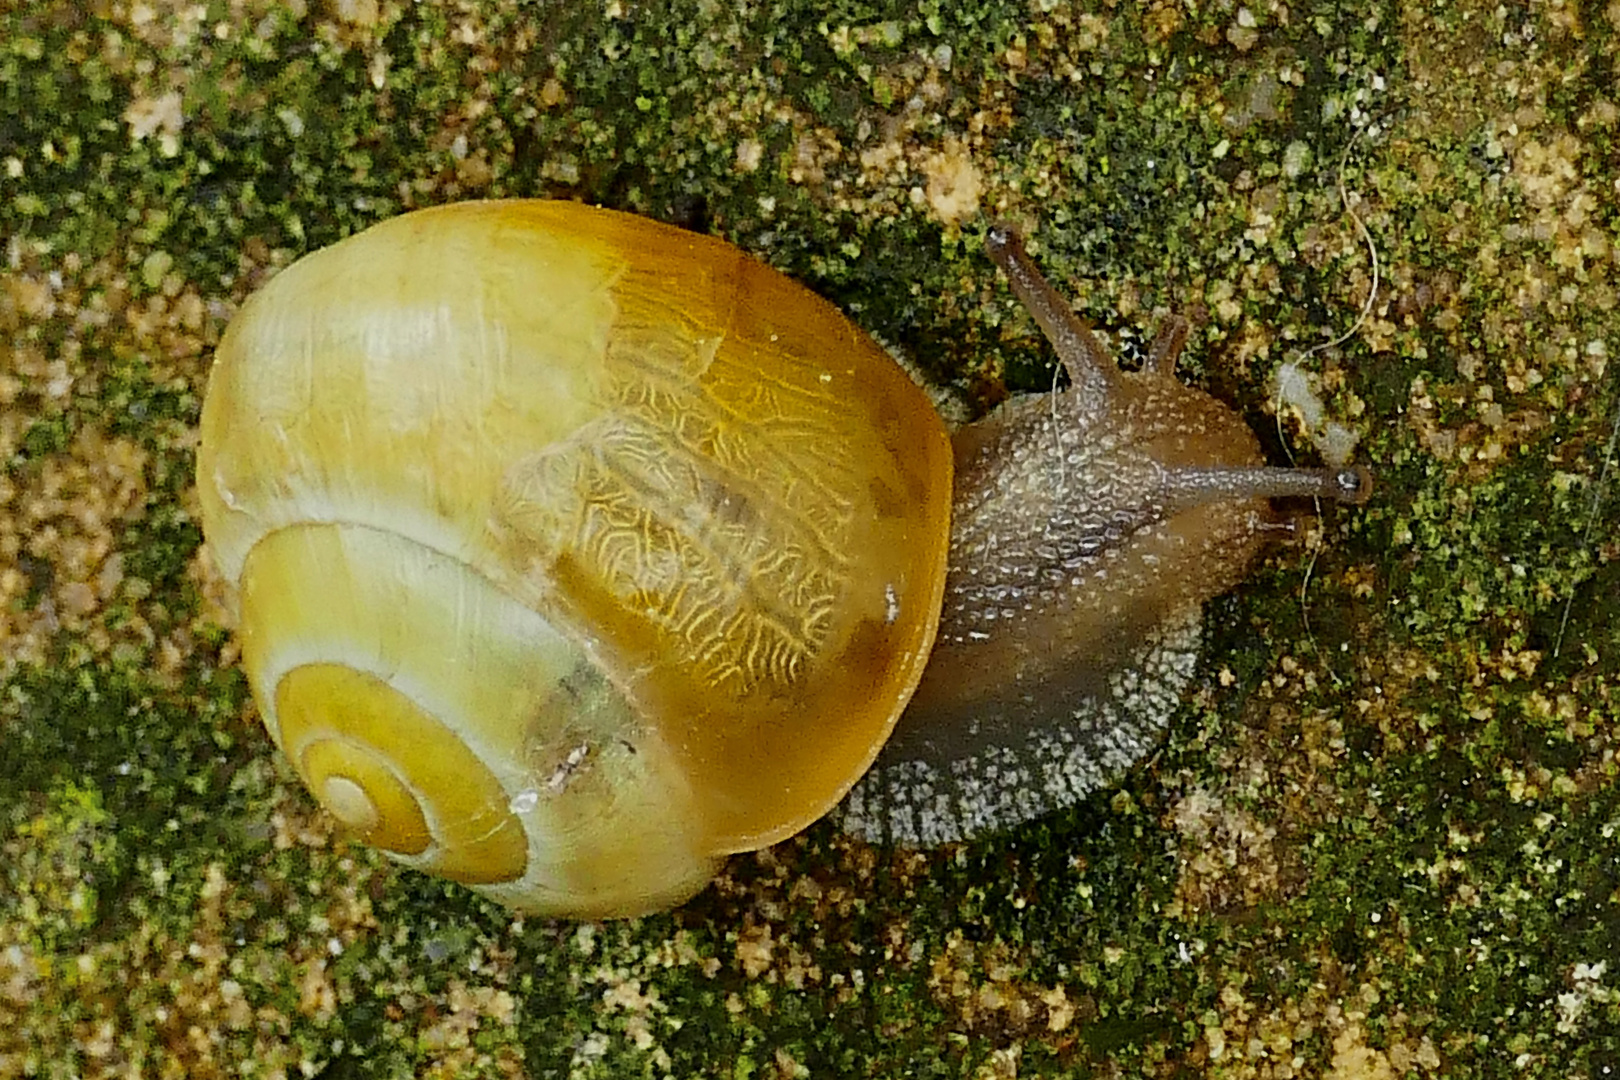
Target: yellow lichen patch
point(954, 186)
point(157, 115)
point(1233, 851)
point(988, 989)
point(359, 13)
point(754, 950)
point(74, 487)
point(1229, 856)
point(470, 1008)
point(60, 528)
point(167, 24)
point(1247, 1036)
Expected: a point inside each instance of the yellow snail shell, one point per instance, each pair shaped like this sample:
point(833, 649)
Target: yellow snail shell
point(574, 551)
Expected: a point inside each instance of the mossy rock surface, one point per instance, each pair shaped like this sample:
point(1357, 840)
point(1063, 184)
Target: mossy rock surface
point(1383, 838)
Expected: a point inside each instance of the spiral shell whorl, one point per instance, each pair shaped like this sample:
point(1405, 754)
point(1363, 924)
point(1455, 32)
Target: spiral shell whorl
point(448, 758)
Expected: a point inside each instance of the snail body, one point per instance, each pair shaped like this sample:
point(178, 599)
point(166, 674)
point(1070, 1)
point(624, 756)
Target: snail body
point(574, 552)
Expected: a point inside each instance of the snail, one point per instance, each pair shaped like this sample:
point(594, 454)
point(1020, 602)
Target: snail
point(573, 552)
